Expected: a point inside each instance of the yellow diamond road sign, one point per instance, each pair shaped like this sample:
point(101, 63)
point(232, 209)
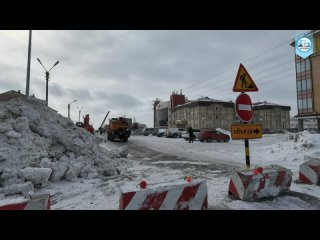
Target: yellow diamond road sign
point(244, 82)
point(246, 131)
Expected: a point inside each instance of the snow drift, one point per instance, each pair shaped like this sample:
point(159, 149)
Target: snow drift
point(38, 145)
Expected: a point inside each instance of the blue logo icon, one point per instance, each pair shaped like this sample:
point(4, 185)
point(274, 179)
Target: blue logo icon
point(304, 47)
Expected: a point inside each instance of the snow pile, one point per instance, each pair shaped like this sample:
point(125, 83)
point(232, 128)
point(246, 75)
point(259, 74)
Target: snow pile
point(38, 145)
point(308, 143)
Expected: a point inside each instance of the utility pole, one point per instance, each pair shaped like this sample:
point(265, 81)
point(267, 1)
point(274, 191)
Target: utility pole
point(28, 65)
point(69, 108)
point(47, 76)
point(79, 112)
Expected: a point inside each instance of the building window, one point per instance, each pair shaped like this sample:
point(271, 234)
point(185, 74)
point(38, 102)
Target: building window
point(216, 116)
point(309, 102)
point(299, 104)
point(307, 64)
point(303, 85)
point(304, 103)
point(299, 86)
point(308, 84)
point(298, 68)
point(303, 66)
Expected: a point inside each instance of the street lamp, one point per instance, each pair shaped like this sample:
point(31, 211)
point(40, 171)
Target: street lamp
point(29, 63)
point(69, 108)
point(79, 111)
point(47, 76)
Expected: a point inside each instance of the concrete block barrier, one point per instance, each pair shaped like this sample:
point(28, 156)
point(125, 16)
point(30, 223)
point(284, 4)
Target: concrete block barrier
point(30, 202)
point(180, 195)
point(309, 172)
point(269, 181)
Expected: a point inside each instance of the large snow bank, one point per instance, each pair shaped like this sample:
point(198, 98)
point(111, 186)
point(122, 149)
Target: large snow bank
point(38, 145)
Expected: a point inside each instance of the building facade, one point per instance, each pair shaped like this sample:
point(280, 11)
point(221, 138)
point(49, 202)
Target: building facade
point(308, 83)
point(307, 123)
point(204, 113)
point(161, 115)
point(271, 115)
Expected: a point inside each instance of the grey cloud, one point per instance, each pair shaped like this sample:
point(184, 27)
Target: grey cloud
point(125, 70)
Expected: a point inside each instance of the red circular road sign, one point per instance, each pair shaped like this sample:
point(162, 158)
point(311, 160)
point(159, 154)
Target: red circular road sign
point(244, 107)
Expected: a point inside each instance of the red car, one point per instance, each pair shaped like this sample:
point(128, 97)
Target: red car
point(209, 135)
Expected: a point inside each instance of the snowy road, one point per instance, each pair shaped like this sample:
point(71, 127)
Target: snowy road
point(161, 157)
point(161, 160)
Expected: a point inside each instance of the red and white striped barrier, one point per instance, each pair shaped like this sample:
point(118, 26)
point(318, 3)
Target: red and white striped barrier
point(33, 202)
point(309, 172)
point(269, 181)
point(181, 195)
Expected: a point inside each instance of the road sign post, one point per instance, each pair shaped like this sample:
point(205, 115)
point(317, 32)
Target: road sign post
point(246, 147)
point(243, 106)
point(248, 131)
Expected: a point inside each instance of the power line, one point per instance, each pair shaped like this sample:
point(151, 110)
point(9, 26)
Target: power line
point(227, 92)
point(229, 81)
point(273, 59)
point(246, 60)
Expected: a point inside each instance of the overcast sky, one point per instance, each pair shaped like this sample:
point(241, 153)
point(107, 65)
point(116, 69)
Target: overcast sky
point(123, 71)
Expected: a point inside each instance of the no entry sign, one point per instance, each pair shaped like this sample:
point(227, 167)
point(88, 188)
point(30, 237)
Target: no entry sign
point(244, 107)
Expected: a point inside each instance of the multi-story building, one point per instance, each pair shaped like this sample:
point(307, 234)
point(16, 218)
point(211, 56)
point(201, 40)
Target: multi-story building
point(204, 113)
point(161, 114)
point(308, 82)
point(271, 115)
point(208, 113)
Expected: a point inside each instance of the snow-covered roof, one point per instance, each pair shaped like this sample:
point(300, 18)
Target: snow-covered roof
point(265, 103)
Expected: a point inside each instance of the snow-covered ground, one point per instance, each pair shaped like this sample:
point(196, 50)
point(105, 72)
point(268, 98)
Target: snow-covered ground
point(42, 151)
point(271, 149)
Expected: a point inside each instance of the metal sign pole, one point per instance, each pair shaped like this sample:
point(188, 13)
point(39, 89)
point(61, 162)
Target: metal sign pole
point(246, 146)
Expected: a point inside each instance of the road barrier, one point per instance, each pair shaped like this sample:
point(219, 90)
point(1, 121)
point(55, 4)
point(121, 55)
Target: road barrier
point(309, 172)
point(181, 195)
point(30, 202)
point(253, 184)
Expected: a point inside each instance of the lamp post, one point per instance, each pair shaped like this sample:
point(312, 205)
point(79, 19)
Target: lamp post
point(282, 123)
point(69, 108)
point(47, 76)
point(29, 63)
point(79, 111)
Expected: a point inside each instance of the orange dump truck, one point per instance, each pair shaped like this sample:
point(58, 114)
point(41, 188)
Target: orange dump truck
point(119, 129)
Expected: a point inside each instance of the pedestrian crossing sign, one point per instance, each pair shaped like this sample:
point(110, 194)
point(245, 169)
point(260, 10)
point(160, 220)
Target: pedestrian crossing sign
point(244, 82)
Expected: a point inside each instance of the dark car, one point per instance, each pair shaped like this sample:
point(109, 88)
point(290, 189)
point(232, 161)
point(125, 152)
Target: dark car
point(209, 135)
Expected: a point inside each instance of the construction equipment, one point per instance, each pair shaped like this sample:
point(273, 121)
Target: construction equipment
point(119, 128)
point(101, 129)
point(86, 124)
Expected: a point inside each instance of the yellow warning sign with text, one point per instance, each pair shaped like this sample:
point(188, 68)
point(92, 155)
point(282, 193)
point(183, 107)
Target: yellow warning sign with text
point(244, 82)
point(246, 131)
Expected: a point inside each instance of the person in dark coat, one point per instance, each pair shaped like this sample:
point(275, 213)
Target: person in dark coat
point(191, 136)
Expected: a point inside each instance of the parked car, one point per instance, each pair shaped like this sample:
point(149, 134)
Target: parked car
point(161, 132)
point(173, 132)
point(271, 131)
point(196, 132)
point(293, 130)
point(150, 131)
point(209, 135)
